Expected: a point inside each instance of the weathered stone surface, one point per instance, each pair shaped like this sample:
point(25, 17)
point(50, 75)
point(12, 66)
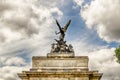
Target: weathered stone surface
point(60, 68)
point(38, 62)
point(36, 75)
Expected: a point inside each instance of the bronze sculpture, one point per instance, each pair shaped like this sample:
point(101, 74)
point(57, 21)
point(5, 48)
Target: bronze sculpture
point(61, 45)
point(62, 30)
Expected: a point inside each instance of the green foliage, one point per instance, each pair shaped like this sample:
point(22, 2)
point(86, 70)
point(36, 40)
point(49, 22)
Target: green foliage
point(117, 54)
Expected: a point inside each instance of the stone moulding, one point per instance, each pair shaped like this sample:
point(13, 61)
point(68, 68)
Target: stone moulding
point(91, 74)
point(60, 68)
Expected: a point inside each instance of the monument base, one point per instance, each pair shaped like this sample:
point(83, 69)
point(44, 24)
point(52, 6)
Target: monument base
point(58, 67)
point(61, 63)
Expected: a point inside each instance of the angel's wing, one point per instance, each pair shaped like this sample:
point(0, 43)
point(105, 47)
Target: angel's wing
point(66, 26)
point(58, 25)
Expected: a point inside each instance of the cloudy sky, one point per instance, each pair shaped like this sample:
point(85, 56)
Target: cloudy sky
point(27, 28)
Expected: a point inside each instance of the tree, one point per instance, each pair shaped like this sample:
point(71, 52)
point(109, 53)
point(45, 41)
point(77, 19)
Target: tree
point(117, 54)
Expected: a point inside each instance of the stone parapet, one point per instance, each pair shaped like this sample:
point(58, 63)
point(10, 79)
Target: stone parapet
point(43, 62)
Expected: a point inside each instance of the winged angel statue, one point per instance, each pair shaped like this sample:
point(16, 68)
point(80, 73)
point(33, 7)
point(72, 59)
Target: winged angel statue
point(62, 30)
point(61, 45)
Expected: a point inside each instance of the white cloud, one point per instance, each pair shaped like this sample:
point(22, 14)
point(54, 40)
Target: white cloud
point(104, 61)
point(9, 61)
point(26, 29)
point(25, 18)
point(9, 72)
point(104, 17)
point(10, 66)
point(101, 58)
point(79, 2)
point(24, 22)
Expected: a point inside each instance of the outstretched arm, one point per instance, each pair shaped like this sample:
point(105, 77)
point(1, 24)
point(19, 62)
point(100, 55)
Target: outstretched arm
point(66, 26)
